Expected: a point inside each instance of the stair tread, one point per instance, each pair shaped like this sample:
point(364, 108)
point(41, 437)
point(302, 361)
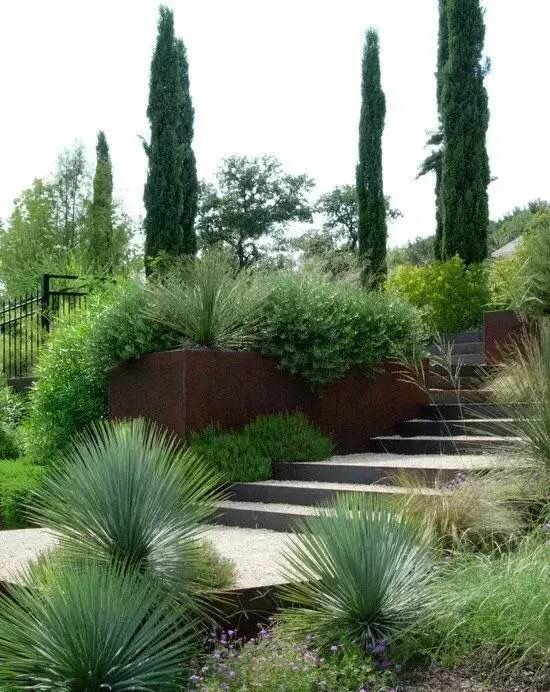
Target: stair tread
point(272, 507)
point(473, 438)
point(393, 461)
point(459, 420)
point(322, 485)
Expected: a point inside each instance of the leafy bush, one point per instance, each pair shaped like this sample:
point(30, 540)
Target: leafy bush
point(206, 303)
point(322, 329)
point(359, 573)
point(99, 628)
point(504, 277)
point(234, 455)
point(247, 455)
point(125, 494)
point(289, 437)
point(18, 481)
point(71, 388)
point(272, 662)
point(533, 281)
point(494, 609)
point(451, 295)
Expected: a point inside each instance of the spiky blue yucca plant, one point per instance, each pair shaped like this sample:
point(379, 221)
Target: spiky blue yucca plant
point(358, 572)
point(127, 493)
point(90, 627)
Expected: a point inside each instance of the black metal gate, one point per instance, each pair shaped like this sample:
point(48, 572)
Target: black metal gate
point(25, 321)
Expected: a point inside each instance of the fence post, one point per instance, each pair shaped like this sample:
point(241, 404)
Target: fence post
point(45, 301)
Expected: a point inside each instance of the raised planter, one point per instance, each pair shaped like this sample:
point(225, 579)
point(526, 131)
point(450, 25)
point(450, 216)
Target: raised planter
point(188, 390)
point(503, 329)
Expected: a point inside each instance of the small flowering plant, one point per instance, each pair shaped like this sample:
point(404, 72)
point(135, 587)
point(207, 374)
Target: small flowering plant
point(270, 661)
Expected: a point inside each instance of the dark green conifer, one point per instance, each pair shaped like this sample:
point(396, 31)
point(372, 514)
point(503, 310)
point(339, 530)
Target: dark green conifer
point(100, 219)
point(465, 118)
point(371, 203)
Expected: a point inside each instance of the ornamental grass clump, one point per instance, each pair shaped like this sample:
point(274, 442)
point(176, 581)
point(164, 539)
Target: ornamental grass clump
point(90, 627)
point(126, 493)
point(358, 572)
point(207, 303)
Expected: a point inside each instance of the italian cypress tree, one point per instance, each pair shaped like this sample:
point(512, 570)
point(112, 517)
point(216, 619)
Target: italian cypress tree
point(370, 191)
point(188, 166)
point(100, 223)
point(465, 118)
point(170, 212)
point(434, 161)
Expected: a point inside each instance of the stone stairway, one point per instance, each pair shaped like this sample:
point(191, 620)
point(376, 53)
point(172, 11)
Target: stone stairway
point(459, 431)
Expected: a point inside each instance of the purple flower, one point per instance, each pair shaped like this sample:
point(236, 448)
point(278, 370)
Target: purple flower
point(195, 678)
point(383, 664)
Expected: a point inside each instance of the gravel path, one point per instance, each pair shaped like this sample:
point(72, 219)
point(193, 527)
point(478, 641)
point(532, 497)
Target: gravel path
point(257, 553)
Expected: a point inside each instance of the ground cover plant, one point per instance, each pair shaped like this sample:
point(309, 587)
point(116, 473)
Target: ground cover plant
point(246, 455)
point(18, 481)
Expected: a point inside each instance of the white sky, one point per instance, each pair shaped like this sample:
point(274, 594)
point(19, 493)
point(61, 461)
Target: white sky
point(267, 76)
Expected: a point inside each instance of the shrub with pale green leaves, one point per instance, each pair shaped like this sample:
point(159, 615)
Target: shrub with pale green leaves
point(323, 329)
point(451, 295)
point(18, 481)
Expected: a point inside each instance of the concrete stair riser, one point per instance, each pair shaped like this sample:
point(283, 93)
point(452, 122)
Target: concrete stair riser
point(441, 445)
point(256, 519)
point(470, 410)
point(455, 426)
point(466, 348)
point(463, 396)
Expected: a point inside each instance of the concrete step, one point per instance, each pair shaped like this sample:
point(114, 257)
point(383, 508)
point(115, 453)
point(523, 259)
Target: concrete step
point(433, 444)
point(467, 370)
point(462, 337)
point(382, 468)
point(258, 515)
point(459, 348)
point(458, 407)
point(463, 382)
point(458, 426)
point(307, 493)
point(453, 396)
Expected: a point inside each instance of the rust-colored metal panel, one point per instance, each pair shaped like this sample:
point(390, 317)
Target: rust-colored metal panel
point(503, 330)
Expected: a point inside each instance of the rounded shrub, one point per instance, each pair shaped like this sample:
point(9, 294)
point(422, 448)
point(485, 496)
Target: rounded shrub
point(322, 329)
point(451, 295)
point(289, 437)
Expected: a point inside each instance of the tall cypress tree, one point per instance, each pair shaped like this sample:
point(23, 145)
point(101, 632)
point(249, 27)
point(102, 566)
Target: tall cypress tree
point(371, 203)
point(170, 213)
point(188, 166)
point(100, 220)
point(434, 161)
point(465, 118)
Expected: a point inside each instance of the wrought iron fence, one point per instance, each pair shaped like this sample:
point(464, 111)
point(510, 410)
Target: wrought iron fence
point(26, 321)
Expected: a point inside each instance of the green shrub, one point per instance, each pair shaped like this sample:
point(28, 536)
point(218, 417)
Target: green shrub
point(289, 437)
point(234, 455)
point(452, 296)
point(97, 627)
point(247, 455)
point(18, 481)
point(322, 329)
point(272, 662)
point(493, 610)
point(358, 573)
point(532, 290)
point(8, 444)
point(206, 303)
point(71, 389)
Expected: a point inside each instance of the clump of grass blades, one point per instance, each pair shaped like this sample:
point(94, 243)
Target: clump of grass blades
point(90, 627)
point(359, 573)
point(474, 509)
point(208, 303)
point(126, 493)
point(523, 384)
point(494, 610)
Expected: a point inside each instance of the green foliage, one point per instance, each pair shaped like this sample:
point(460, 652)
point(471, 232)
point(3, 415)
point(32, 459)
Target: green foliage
point(71, 389)
point(358, 573)
point(494, 610)
point(8, 444)
point(465, 118)
point(170, 194)
point(95, 627)
point(234, 455)
point(18, 481)
point(289, 437)
point(254, 198)
point(534, 275)
point(275, 663)
point(209, 570)
point(322, 330)
point(451, 295)
point(372, 234)
point(416, 252)
point(125, 494)
point(504, 277)
point(207, 304)
point(247, 455)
